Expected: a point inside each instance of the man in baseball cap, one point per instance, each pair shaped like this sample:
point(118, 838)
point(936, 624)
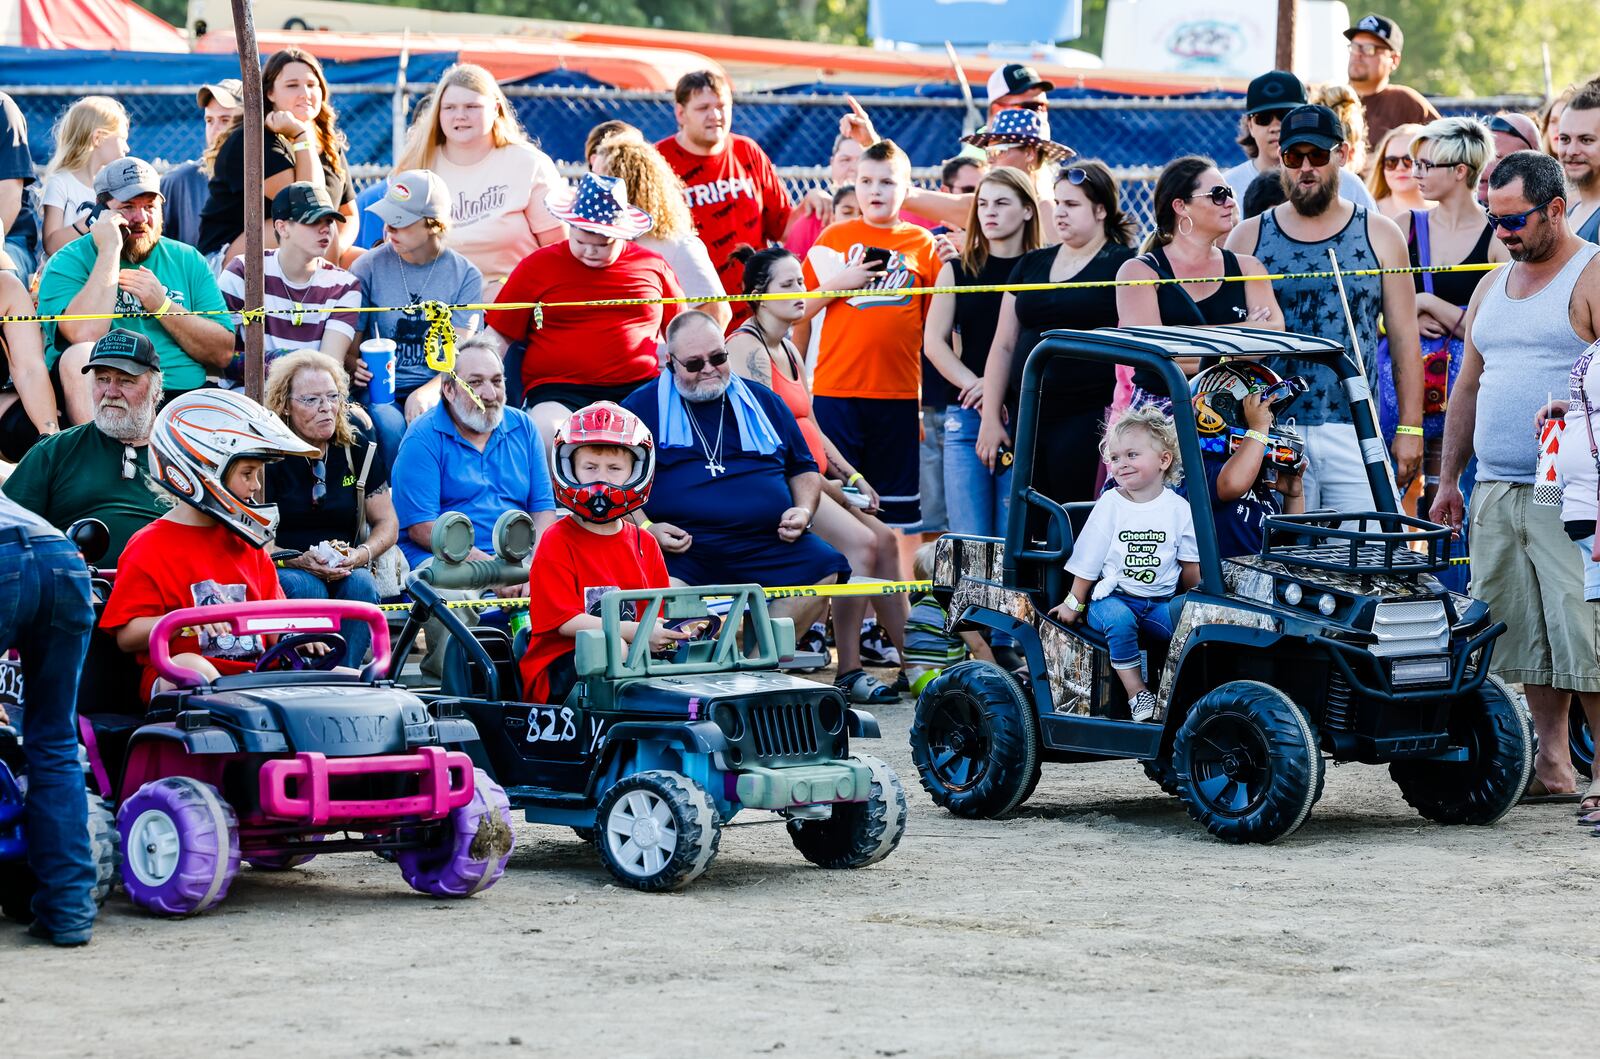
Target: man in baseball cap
point(126, 179)
point(1375, 46)
point(1267, 102)
point(1016, 85)
point(186, 187)
point(304, 203)
point(128, 351)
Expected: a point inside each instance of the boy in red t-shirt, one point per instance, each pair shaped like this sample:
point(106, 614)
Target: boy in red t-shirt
point(209, 449)
point(605, 462)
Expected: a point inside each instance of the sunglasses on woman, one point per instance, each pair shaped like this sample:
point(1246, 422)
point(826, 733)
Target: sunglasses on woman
point(1294, 157)
point(319, 488)
point(1391, 162)
point(695, 365)
point(1219, 195)
point(1515, 222)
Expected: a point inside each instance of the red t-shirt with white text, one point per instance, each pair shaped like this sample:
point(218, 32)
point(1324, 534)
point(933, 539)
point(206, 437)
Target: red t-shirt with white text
point(588, 345)
point(168, 566)
point(571, 570)
point(735, 197)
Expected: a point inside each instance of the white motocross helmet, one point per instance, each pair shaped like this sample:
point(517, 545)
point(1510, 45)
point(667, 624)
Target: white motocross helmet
point(196, 438)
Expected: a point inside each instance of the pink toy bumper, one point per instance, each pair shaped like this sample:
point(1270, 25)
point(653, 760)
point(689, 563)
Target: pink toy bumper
point(444, 780)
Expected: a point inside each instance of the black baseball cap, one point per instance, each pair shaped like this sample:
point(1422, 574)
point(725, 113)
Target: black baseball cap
point(1275, 90)
point(1013, 78)
point(303, 203)
point(1382, 28)
point(124, 350)
point(1318, 126)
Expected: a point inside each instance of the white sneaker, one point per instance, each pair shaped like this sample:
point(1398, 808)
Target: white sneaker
point(1143, 706)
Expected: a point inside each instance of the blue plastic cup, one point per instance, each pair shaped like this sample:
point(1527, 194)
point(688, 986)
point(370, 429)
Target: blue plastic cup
point(378, 354)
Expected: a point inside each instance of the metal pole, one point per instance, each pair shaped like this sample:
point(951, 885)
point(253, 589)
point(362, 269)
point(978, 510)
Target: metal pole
point(1286, 26)
point(255, 294)
point(397, 134)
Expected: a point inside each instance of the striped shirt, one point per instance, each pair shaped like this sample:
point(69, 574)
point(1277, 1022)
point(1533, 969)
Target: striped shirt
point(309, 313)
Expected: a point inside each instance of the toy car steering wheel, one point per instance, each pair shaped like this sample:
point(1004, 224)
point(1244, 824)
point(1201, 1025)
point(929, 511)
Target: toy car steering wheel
point(285, 654)
point(699, 629)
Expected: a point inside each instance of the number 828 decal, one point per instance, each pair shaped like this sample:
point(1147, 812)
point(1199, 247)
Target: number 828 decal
point(551, 724)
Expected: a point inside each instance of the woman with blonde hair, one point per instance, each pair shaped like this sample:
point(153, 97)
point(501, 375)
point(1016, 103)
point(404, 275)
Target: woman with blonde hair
point(92, 134)
point(1343, 101)
point(655, 188)
point(303, 144)
point(467, 133)
point(1392, 181)
point(334, 508)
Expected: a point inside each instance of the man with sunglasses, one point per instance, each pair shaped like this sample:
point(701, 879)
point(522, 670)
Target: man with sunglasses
point(98, 469)
point(1296, 238)
point(1375, 46)
point(1526, 327)
point(1268, 99)
point(1578, 147)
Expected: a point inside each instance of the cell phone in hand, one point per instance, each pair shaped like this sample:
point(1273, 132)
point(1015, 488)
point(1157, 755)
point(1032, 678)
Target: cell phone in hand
point(875, 255)
point(855, 497)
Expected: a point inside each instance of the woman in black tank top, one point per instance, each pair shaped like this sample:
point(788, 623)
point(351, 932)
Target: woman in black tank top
point(1195, 211)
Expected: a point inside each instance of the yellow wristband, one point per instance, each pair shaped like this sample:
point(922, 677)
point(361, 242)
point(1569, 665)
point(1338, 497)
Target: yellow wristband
point(1256, 435)
point(1414, 432)
point(646, 524)
point(299, 145)
point(166, 307)
point(853, 479)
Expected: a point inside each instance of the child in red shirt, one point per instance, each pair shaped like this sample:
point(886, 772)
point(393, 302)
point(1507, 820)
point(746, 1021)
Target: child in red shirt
point(605, 462)
point(208, 448)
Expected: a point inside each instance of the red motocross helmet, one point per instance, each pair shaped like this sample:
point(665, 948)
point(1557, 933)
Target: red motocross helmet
point(606, 424)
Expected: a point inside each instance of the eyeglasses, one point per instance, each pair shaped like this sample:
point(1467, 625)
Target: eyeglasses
point(1500, 124)
point(130, 462)
point(695, 365)
point(1515, 222)
point(1318, 156)
point(1219, 195)
point(1364, 48)
point(319, 400)
point(1399, 161)
point(319, 488)
point(1264, 118)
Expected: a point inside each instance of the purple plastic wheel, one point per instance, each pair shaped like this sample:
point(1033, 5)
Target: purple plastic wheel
point(472, 854)
point(180, 843)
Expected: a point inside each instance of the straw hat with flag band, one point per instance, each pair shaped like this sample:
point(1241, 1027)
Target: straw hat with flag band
point(1016, 126)
point(599, 204)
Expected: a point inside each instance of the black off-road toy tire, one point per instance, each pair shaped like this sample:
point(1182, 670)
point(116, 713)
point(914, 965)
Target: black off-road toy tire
point(1580, 741)
point(858, 833)
point(685, 853)
point(1247, 763)
point(975, 741)
point(1484, 788)
point(1162, 774)
point(105, 847)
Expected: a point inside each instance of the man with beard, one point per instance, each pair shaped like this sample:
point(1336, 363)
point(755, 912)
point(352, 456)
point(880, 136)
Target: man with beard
point(735, 487)
point(124, 265)
point(98, 469)
point(1578, 147)
point(1527, 327)
point(1375, 47)
point(1295, 238)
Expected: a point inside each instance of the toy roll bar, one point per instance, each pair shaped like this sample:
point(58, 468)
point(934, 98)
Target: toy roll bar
point(1155, 349)
point(267, 617)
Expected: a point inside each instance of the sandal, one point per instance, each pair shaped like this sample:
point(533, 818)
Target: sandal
point(1589, 805)
point(864, 689)
point(1538, 794)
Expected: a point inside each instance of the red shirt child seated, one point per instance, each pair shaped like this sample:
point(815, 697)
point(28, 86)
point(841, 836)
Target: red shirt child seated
point(605, 462)
point(208, 448)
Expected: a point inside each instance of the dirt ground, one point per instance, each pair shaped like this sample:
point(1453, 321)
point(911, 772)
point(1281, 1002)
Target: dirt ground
point(1097, 921)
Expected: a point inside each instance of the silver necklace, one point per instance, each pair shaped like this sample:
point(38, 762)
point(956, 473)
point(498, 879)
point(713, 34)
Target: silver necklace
point(411, 298)
point(713, 456)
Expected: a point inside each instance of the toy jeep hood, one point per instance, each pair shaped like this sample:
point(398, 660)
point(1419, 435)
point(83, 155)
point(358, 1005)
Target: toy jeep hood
point(692, 696)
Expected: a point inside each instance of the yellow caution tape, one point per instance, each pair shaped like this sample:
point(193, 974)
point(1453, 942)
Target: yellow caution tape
point(853, 588)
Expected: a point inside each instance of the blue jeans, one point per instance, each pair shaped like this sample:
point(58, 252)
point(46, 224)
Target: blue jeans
point(46, 615)
point(388, 428)
point(976, 499)
point(359, 586)
point(1120, 618)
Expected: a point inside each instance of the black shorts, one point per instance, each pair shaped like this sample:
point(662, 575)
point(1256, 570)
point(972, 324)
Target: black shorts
point(882, 437)
point(575, 396)
point(17, 432)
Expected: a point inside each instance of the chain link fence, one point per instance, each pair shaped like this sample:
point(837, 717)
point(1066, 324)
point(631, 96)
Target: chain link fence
point(1134, 136)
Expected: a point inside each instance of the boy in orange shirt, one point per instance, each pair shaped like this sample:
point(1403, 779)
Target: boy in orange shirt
point(869, 360)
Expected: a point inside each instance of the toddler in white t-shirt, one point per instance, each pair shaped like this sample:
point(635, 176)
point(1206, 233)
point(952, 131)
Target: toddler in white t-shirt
point(1136, 550)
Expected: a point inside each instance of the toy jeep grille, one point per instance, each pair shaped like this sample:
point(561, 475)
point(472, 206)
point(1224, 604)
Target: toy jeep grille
point(783, 729)
point(1418, 627)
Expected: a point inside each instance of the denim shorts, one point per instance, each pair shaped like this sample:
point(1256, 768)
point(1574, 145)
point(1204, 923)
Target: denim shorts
point(1591, 570)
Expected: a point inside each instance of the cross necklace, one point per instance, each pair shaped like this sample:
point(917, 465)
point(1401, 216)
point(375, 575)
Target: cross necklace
point(713, 455)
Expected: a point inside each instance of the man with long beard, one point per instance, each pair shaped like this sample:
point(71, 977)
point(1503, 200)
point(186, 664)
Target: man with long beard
point(1295, 238)
point(124, 265)
point(99, 469)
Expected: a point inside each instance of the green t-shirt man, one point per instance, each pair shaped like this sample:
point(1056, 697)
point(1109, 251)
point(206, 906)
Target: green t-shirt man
point(78, 473)
point(178, 266)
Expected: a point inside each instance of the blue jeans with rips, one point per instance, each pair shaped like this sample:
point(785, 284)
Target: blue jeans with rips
point(1120, 618)
point(46, 614)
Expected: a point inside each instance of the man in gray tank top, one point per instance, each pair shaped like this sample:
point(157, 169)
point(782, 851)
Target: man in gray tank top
point(1296, 237)
point(1527, 324)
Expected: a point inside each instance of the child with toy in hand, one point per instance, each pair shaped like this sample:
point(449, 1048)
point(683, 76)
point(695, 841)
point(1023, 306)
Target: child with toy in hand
point(1136, 550)
point(1253, 467)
